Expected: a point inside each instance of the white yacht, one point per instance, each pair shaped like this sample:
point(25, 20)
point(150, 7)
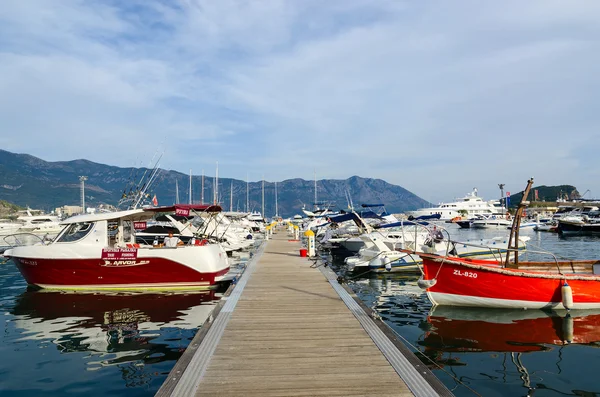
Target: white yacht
point(468, 207)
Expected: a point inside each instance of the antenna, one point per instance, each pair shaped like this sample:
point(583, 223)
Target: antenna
point(82, 179)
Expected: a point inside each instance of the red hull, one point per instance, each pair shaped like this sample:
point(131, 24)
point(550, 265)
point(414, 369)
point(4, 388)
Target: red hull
point(464, 282)
point(101, 308)
point(90, 273)
point(452, 335)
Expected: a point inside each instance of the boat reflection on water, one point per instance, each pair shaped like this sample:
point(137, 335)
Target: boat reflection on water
point(455, 336)
point(458, 329)
point(118, 326)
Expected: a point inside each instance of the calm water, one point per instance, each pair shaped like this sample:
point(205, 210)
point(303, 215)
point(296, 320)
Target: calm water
point(495, 352)
point(77, 344)
point(100, 344)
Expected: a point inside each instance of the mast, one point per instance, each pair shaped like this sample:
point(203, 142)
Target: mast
point(202, 193)
point(190, 194)
point(513, 239)
point(231, 197)
point(263, 197)
point(176, 192)
point(276, 212)
point(247, 194)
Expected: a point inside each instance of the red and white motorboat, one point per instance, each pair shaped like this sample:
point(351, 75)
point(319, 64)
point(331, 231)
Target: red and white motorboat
point(509, 283)
point(99, 252)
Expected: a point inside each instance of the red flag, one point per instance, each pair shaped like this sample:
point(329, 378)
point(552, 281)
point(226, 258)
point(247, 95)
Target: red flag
point(154, 201)
point(536, 194)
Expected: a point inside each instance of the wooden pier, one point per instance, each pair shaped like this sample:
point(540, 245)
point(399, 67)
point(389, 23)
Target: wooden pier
point(289, 329)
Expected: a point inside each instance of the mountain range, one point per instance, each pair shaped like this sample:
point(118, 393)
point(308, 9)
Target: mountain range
point(26, 180)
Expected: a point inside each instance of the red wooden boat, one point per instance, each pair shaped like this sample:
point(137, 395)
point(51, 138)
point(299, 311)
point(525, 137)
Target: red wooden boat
point(485, 283)
point(509, 283)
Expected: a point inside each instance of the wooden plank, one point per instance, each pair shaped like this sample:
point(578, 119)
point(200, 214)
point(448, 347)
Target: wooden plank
point(291, 335)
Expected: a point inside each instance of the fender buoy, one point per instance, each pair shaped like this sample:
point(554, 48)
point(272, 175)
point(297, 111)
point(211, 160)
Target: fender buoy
point(567, 295)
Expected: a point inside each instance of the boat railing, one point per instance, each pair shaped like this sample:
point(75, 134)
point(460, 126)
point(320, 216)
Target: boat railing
point(499, 250)
point(496, 252)
point(22, 239)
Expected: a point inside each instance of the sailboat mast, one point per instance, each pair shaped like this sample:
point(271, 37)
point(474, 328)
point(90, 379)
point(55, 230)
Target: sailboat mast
point(190, 195)
point(263, 197)
point(231, 198)
point(247, 195)
point(276, 211)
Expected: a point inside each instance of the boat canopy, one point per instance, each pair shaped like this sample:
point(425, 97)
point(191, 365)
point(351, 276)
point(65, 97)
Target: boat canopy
point(401, 223)
point(137, 214)
point(342, 218)
point(189, 207)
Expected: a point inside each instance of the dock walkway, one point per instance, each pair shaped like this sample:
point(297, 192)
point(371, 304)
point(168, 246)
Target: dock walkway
point(291, 334)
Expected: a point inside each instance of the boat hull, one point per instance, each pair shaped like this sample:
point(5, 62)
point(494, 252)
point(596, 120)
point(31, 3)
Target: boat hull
point(577, 228)
point(152, 269)
point(486, 284)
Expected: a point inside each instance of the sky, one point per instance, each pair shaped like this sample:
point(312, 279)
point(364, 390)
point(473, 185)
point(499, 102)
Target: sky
point(438, 97)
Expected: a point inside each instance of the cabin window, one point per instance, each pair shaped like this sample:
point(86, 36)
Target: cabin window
point(75, 231)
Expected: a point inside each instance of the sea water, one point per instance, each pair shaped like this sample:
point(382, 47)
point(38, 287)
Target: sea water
point(494, 352)
point(92, 344)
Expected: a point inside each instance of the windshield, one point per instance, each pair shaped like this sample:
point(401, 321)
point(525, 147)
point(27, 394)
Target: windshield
point(75, 231)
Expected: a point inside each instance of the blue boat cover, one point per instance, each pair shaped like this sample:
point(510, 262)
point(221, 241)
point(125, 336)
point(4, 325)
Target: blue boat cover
point(341, 218)
point(403, 223)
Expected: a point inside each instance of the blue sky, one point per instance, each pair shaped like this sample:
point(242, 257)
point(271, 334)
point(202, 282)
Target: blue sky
point(438, 97)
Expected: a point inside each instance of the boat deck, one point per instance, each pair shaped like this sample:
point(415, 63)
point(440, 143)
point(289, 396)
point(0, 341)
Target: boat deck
point(289, 329)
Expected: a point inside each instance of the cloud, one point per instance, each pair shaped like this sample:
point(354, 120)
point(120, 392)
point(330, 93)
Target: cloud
point(436, 97)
